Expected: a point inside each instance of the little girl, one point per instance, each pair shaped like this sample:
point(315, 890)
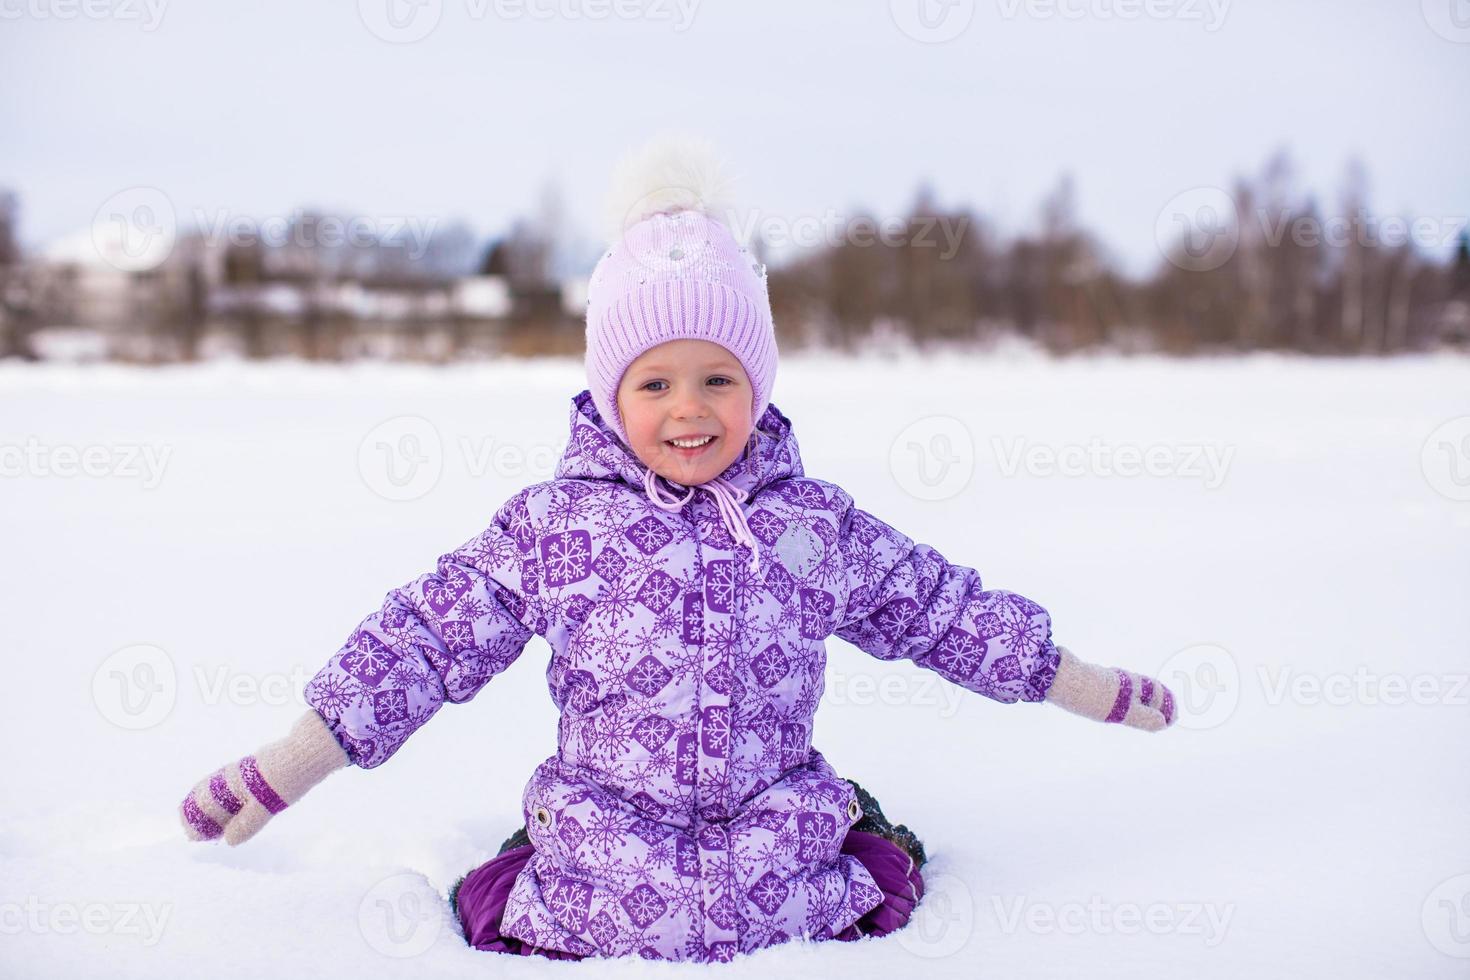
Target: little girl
point(684, 571)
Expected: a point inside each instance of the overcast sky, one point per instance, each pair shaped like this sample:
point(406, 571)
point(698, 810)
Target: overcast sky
point(257, 108)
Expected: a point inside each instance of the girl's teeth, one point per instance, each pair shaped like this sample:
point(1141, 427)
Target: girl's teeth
point(691, 443)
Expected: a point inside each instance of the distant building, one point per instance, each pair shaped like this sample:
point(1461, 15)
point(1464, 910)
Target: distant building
point(92, 296)
point(484, 297)
point(95, 298)
point(574, 297)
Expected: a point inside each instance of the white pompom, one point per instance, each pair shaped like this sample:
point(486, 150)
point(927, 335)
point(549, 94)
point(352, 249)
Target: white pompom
point(671, 172)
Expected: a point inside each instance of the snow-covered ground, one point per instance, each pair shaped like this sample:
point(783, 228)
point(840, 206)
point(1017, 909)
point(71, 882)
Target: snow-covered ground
point(1297, 566)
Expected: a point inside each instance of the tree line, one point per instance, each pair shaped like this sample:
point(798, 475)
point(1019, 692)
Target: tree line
point(1264, 267)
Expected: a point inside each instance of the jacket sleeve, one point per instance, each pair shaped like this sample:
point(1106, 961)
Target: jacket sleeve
point(905, 600)
point(439, 638)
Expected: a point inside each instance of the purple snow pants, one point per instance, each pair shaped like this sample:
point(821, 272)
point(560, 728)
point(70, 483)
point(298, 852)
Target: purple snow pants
point(483, 894)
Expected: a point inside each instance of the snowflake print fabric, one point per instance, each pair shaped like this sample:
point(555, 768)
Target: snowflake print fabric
point(686, 813)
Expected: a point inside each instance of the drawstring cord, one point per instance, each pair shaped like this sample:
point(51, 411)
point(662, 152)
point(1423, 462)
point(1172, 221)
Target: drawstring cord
point(728, 498)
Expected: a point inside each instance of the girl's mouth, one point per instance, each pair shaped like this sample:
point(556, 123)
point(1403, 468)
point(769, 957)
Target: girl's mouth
point(691, 447)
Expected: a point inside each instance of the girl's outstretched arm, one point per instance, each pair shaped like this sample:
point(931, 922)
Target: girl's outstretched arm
point(906, 600)
point(439, 638)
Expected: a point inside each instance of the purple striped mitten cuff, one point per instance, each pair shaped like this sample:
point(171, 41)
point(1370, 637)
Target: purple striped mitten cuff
point(1111, 694)
point(235, 801)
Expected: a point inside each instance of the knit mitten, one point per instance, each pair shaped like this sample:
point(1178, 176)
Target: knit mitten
point(237, 800)
point(1111, 694)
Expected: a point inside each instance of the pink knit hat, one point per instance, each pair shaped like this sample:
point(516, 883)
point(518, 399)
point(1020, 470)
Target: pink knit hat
point(675, 271)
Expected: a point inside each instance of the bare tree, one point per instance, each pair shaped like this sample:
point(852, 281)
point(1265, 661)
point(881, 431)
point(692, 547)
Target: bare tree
point(17, 306)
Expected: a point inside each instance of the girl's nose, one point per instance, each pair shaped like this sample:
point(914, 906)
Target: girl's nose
point(691, 406)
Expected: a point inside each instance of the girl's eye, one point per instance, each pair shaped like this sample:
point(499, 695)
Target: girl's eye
point(724, 382)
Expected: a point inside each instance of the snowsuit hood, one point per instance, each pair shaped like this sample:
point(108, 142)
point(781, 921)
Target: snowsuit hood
point(686, 813)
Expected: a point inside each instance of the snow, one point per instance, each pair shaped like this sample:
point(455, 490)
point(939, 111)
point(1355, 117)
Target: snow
point(1307, 820)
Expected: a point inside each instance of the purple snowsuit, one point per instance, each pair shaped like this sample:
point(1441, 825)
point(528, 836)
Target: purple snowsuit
point(686, 814)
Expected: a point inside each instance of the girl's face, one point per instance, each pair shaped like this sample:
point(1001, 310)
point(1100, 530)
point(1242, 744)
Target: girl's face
point(687, 389)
